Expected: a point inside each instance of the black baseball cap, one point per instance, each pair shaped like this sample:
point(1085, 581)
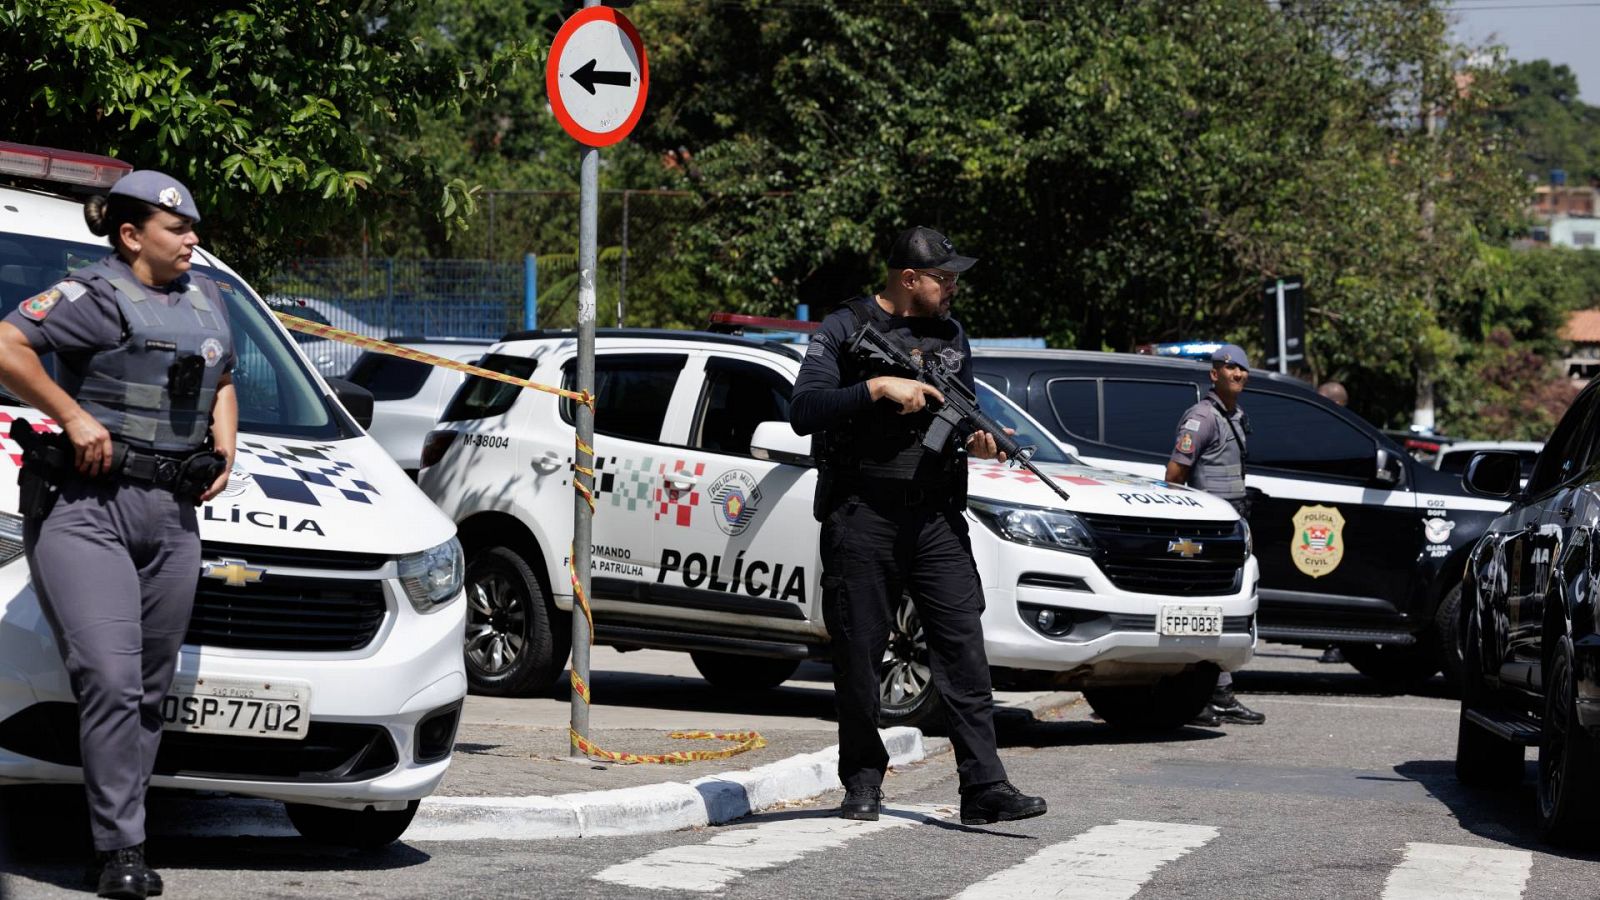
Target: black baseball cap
point(923, 248)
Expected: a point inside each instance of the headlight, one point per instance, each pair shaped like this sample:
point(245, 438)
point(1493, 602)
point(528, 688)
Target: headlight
point(1052, 528)
point(433, 576)
point(10, 537)
point(1249, 540)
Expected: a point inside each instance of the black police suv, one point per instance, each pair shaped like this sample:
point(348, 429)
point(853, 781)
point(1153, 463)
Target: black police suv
point(1359, 544)
point(1530, 648)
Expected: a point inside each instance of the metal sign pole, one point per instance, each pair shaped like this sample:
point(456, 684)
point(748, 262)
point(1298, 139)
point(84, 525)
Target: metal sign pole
point(1283, 336)
point(583, 457)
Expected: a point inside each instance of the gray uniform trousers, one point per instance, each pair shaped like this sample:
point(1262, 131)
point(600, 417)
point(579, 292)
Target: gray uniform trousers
point(115, 567)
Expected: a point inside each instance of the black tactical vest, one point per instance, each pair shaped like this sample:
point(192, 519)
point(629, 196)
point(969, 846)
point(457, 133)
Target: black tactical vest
point(880, 442)
point(154, 390)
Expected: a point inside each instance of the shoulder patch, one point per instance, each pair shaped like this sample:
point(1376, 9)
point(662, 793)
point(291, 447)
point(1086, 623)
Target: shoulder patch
point(1191, 425)
point(72, 290)
point(1186, 442)
point(39, 305)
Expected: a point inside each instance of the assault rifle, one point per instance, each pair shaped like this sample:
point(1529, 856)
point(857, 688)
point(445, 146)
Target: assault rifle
point(958, 415)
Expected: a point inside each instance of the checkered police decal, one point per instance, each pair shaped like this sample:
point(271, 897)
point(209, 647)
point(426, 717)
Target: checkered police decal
point(9, 448)
point(628, 486)
point(304, 474)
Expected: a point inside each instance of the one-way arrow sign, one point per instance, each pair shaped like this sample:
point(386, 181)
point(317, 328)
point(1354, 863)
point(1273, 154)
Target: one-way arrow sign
point(587, 77)
point(598, 46)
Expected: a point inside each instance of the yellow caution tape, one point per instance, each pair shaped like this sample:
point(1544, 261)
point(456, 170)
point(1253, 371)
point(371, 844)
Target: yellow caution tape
point(377, 346)
point(744, 740)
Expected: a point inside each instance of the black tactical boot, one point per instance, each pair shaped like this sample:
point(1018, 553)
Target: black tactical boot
point(1206, 717)
point(861, 803)
point(998, 802)
point(1331, 655)
point(1228, 708)
point(122, 874)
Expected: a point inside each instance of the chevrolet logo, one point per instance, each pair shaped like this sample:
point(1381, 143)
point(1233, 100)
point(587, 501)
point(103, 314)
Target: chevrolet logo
point(235, 572)
point(1185, 548)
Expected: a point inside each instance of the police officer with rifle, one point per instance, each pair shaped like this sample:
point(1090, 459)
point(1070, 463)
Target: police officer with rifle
point(145, 402)
point(892, 448)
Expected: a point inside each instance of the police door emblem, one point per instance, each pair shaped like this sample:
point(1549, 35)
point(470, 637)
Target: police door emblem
point(1318, 543)
point(737, 499)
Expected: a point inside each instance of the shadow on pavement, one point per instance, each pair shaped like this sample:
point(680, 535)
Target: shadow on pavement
point(1504, 816)
point(689, 694)
point(1334, 680)
point(44, 836)
point(1039, 734)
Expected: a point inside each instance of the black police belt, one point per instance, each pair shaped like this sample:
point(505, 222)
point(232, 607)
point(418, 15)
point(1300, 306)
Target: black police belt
point(186, 474)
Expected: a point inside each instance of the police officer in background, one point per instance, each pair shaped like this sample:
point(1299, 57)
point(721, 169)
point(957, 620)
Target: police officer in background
point(149, 420)
point(892, 521)
point(1209, 455)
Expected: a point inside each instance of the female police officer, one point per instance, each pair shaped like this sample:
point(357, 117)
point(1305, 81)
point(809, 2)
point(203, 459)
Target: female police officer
point(143, 356)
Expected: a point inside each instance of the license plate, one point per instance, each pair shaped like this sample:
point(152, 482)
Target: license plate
point(237, 706)
point(1187, 620)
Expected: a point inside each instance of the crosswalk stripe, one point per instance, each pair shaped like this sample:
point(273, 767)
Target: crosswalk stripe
point(711, 866)
point(1462, 873)
point(1107, 862)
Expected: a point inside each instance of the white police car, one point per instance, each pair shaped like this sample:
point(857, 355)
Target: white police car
point(704, 539)
point(323, 663)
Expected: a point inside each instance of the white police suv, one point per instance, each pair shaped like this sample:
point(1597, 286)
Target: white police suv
point(704, 539)
point(323, 663)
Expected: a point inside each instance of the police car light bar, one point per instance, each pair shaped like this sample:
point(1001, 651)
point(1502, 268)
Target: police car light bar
point(65, 166)
point(737, 323)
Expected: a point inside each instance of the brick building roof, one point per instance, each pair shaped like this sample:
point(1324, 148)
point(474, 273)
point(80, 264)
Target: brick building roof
point(1583, 327)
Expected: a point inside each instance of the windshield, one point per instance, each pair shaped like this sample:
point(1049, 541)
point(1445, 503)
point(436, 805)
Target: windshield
point(1028, 432)
point(277, 395)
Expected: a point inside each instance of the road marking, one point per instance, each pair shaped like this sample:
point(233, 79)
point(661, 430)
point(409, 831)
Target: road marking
point(1451, 709)
point(1470, 873)
point(1107, 862)
point(713, 865)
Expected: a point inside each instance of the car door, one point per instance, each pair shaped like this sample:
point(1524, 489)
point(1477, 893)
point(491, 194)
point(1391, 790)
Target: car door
point(743, 541)
point(1326, 531)
point(1543, 522)
point(634, 391)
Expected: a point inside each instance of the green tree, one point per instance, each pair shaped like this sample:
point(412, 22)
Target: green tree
point(288, 119)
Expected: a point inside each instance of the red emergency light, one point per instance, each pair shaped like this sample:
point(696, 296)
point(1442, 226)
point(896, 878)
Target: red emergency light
point(64, 166)
point(737, 323)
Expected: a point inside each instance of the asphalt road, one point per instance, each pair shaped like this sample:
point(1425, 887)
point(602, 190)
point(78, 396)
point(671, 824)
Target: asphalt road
point(1344, 792)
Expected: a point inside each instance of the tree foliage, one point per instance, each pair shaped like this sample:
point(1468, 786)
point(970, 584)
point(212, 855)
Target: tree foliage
point(286, 118)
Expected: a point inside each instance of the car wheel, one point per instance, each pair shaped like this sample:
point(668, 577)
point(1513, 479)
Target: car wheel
point(906, 695)
point(1568, 794)
point(1398, 667)
point(1168, 704)
point(366, 829)
point(514, 645)
point(732, 672)
point(1447, 628)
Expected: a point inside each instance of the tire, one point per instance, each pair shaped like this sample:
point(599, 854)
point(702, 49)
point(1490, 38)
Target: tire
point(906, 695)
point(1166, 705)
point(1568, 787)
point(1398, 667)
point(364, 829)
point(1447, 628)
point(515, 645)
point(743, 673)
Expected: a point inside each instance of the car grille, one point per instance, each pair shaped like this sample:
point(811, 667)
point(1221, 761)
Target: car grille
point(1134, 555)
point(287, 613)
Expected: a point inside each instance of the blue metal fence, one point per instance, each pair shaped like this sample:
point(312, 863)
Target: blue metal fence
point(391, 297)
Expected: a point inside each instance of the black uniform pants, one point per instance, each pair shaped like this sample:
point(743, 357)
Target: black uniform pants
point(873, 549)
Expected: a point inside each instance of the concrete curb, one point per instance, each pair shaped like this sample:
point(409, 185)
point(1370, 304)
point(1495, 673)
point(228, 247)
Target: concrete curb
point(647, 809)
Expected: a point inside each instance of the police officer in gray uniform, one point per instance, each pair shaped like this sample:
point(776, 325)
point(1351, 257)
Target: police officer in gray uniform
point(145, 401)
point(892, 520)
point(1209, 455)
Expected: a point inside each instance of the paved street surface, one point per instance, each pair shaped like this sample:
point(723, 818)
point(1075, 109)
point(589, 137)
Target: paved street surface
point(1345, 792)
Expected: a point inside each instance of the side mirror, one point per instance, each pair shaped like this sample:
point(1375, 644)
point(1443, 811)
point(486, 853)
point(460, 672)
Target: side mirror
point(1494, 473)
point(1388, 468)
point(777, 442)
point(356, 400)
